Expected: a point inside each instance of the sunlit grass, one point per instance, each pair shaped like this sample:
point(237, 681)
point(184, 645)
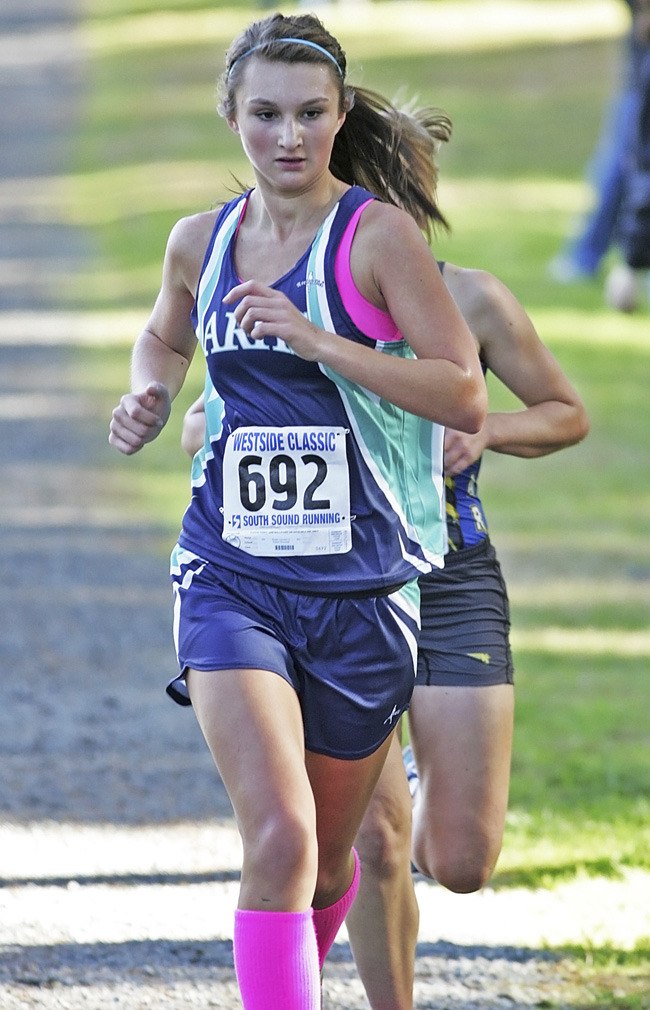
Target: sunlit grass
point(599, 328)
point(154, 149)
point(577, 641)
point(610, 978)
point(376, 29)
point(133, 206)
point(115, 193)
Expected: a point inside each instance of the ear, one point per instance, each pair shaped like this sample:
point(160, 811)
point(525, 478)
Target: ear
point(348, 104)
point(232, 123)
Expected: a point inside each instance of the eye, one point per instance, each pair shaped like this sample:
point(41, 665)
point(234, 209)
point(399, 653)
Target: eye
point(313, 113)
point(266, 115)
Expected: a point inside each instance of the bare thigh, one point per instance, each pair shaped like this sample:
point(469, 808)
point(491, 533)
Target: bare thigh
point(462, 741)
point(297, 812)
point(252, 723)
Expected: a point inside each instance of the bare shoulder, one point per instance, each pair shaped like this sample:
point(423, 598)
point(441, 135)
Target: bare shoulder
point(488, 306)
point(475, 291)
point(190, 235)
point(186, 246)
point(389, 225)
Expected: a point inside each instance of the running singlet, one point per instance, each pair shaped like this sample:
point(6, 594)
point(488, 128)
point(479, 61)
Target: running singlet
point(306, 480)
point(466, 522)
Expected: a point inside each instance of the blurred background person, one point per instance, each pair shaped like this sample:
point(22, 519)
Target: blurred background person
point(624, 283)
point(609, 173)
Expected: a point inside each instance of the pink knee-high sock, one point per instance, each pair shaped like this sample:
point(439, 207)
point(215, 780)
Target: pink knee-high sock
point(276, 960)
point(327, 921)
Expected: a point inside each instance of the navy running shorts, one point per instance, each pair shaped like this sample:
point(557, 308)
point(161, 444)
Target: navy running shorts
point(351, 659)
point(465, 617)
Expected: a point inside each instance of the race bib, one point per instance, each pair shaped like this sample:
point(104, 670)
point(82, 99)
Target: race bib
point(286, 491)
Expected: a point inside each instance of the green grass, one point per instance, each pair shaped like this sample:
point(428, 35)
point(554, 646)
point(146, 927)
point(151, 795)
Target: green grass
point(153, 148)
point(572, 529)
point(608, 977)
point(109, 9)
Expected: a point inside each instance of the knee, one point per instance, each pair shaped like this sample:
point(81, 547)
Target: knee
point(461, 863)
point(384, 839)
point(463, 875)
point(282, 850)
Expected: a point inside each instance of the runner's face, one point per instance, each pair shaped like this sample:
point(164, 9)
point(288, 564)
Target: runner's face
point(287, 117)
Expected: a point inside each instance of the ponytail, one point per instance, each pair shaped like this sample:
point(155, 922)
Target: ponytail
point(392, 152)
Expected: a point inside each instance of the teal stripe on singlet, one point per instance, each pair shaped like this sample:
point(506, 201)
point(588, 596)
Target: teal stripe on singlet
point(212, 270)
point(214, 409)
point(411, 481)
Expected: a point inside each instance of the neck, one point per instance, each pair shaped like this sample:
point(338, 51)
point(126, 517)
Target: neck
point(287, 213)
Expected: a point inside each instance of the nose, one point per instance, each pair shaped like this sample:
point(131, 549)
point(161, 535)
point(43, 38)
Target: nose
point(290, 134)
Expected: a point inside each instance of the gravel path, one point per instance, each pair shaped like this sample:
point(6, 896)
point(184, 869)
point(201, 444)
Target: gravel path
point(120, 860)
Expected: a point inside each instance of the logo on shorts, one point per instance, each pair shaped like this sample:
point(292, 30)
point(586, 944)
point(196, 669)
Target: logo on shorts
point(483, 657)
point(393, 715)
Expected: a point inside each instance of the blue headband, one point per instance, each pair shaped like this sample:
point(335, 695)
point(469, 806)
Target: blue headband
point(300, 42)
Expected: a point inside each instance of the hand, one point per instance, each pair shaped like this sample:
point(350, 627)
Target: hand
point(139, 418)
point(264, 312)
point(461, 450)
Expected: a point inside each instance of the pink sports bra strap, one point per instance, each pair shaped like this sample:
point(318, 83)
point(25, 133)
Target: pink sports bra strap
point(367, 317)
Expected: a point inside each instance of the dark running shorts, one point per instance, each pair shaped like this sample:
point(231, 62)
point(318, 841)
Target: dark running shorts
point(350, 659)
point(465, 615)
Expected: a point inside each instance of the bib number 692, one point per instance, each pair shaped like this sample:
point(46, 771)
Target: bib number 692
point(258, 483)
